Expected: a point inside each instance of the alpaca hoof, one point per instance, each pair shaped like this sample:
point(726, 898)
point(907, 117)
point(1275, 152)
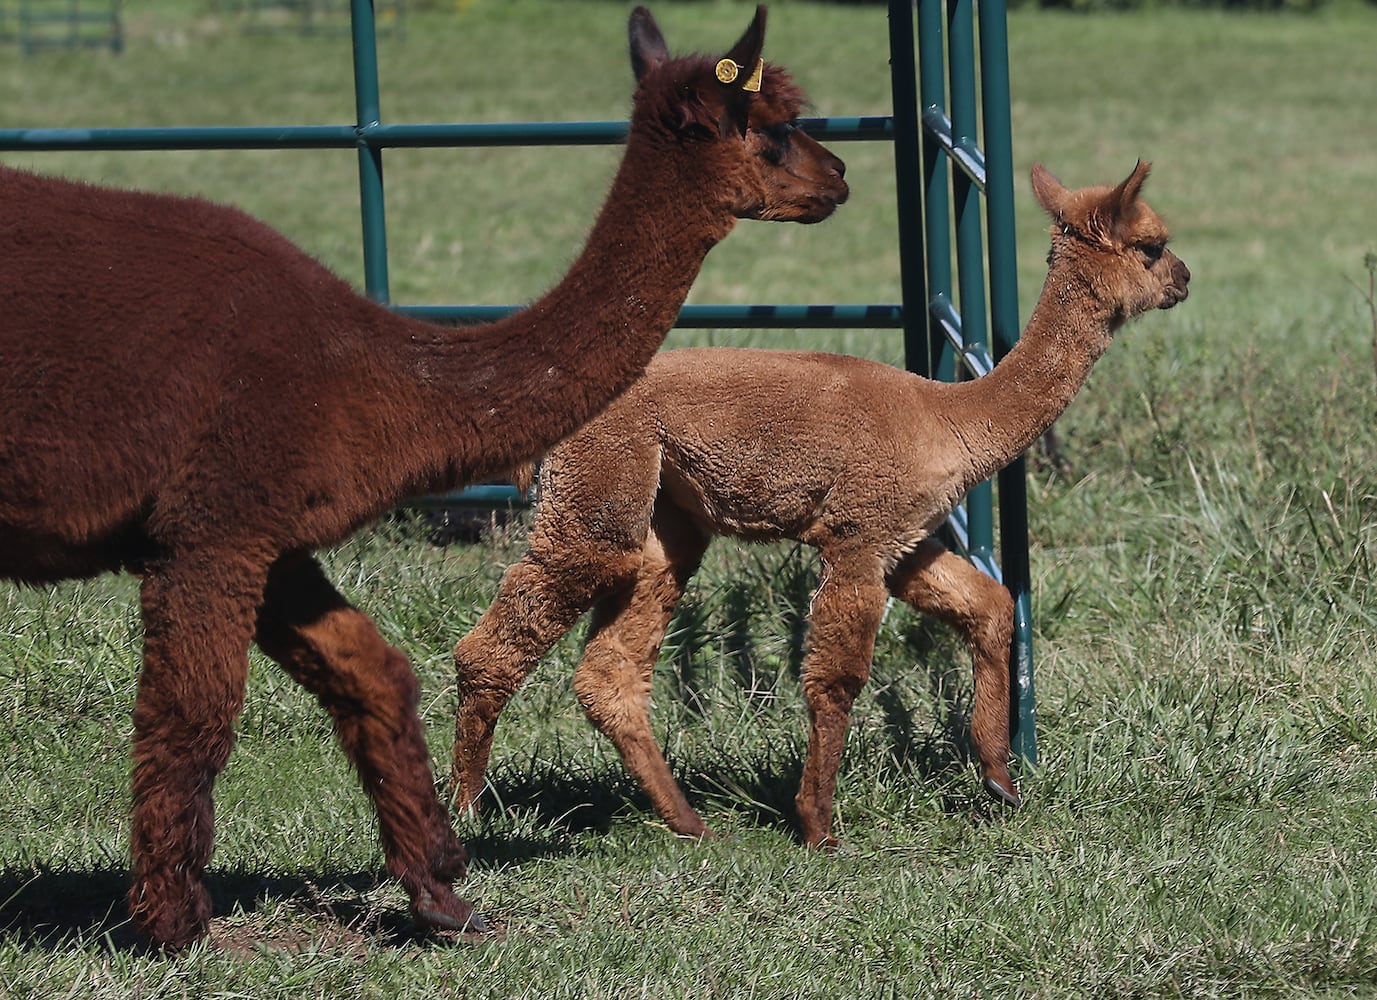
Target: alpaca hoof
point(461, 917)
point(834, 847)
point(697, 831)
point(1004, 791)
point(827, 844)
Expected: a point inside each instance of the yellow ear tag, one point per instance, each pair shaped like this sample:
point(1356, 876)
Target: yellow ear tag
point(728, 70)
point(753, 84)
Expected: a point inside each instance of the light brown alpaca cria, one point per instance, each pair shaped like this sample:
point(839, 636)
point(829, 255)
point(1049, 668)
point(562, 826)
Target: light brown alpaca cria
point(187, 396)
point(860, 460)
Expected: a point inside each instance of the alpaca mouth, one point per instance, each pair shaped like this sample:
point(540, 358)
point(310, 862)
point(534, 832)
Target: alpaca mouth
point(1174, 295)
point(822, 210)
point(824, 205)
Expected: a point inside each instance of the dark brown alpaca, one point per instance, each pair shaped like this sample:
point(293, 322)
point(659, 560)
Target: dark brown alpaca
point(860, 460)
point(187, 396)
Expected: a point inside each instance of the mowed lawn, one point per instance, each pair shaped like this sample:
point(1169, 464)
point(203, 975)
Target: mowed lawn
point(1203, 822)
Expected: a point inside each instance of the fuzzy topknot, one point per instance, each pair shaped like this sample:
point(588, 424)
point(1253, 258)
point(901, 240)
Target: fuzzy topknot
point(780, 99)
point(674, 95)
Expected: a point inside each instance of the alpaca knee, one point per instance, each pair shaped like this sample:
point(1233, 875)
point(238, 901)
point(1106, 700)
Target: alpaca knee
point(991, 625)
point(609, 701)
point(488, 665)
point(353, 671)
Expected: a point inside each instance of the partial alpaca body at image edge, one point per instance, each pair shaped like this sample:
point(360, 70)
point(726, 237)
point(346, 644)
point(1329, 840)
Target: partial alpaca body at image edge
point(187, 396)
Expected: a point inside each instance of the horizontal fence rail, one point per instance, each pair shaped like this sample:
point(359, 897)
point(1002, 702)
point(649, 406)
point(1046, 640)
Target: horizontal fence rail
point(378, 136)
point(382, 136)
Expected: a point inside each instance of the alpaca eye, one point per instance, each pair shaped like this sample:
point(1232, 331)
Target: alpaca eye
point(779, 134)
point(778, 142)
point(1152, 252)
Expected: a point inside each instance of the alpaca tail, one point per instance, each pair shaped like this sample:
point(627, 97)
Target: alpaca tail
point(523, 477)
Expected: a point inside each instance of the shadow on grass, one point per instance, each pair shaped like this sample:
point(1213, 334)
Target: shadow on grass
point(533, 807)
point(55, 909)
point(536, 808)
point(556, 801)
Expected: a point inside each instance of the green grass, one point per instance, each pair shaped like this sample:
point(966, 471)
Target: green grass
point(1204, 822)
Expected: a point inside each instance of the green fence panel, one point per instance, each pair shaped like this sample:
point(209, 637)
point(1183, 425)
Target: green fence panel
point(65, 24)
point(967, 152)
point(950, 131)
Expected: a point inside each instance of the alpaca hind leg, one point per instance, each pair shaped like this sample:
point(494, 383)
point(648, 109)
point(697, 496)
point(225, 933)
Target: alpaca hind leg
point(940, 583)
point(613, 679)
point(198, 622)
point(537, 603)
point(370, 691)
point(846, 613)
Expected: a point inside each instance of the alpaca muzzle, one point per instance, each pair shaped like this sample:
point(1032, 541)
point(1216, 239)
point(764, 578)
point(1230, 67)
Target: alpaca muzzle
point(1177, 290)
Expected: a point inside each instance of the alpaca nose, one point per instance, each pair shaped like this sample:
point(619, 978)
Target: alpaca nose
point(838, 171)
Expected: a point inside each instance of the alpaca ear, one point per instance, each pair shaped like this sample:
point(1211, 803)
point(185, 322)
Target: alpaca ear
point(1122, 203)
point(746, 52)
point(648, 48)
point(1049, 191)
point(1127, 191)
point(746, 55)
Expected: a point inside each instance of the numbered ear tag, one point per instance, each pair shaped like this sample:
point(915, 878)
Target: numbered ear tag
point(728, 70)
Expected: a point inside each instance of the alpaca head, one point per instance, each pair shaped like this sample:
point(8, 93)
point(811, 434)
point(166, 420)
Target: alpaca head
point(739, 116)
point(1113, 243)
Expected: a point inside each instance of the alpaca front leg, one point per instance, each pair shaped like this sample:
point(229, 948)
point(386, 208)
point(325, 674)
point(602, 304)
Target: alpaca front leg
point(370, 691)
point(197, 625)
point(535, 606)
point(937, 582)
point(846, 614)
point(613, 680)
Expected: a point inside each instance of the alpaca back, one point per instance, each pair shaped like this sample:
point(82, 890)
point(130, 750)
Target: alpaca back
point(763, 444)
point(168, 300)
point(142, 333)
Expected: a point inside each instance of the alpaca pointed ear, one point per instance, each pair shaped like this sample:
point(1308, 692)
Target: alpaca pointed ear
point(746, 52)
point(1122, 203)
point(1050, 192)
point(739, 74)
point(648, 48)
point(1127, 191)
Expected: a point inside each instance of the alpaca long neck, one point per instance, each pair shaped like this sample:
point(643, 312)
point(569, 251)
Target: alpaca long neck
point(545, 370)
point(1004, 412)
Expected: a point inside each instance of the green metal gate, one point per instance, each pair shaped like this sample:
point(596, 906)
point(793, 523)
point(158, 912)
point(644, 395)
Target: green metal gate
point(953, 143)
point(951, 135)
point(64, 24)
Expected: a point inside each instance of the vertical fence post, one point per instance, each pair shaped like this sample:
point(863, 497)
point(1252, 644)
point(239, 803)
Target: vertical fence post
point(970, 250)
point(903, 74)
point(949, 76)
point(367, 107)
point(1013, 480)
point(937, 222)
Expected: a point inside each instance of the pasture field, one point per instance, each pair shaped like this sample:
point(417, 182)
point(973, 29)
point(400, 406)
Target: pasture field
point(1204, 819)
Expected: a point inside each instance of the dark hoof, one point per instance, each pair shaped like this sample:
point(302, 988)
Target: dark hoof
point(427, 911)
point(434, 919)
point(699, 835)
point(1009, 796)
